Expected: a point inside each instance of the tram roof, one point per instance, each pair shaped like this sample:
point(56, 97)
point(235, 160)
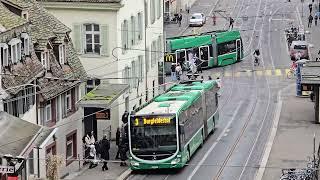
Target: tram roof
point(206, 85)
point(227, 36)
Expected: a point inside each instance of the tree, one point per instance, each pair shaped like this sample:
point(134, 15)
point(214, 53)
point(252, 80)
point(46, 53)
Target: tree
point(53, 163)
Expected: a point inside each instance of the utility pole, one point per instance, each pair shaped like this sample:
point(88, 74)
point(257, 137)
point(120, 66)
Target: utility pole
point(302, 7)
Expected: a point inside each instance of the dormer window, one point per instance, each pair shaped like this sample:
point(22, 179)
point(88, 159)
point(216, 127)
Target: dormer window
point(4, 53)
point(45, 59)
point(15, 50)
point(62, 54)
point(25, 15)
point(26, 43)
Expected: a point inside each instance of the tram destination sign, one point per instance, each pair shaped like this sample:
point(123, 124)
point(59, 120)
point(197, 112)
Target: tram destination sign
point(151, 121)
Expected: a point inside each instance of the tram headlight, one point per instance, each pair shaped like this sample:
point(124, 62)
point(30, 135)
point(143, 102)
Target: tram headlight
point(134, 163)
point(175, 161)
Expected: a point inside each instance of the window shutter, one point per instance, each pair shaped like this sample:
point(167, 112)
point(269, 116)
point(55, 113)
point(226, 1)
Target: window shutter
point(77, 38)
point(53, 111)
point(73, 102)
point(129, 33)
point(104, 29)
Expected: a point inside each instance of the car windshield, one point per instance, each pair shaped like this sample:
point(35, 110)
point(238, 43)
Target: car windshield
point(301, 47)
point(196, 16)
point(153, 137)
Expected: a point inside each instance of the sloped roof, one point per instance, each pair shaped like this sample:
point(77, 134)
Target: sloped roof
point(16, 134)
point(87, 1)
point(9, 20)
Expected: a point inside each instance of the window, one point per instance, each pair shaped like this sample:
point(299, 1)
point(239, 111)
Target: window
point(147, 59)
point(159, 8)
point(92, 38)
point(91, 84)
point(133, 74)
point(25, 15)
point(126, 75)
point(68, 101)
point(140, 67)
point(71, 147)
point(226, 47)
point(159, 45)
point(62, 54)
point(51, 149)
point(140, 26)
point(153, 53)
point(4, 54)
point(26, 46)
point(45, 59)
point(47, 110)
point(146, 18)
point(152, 11)
point(15, 53)
point(133, 30)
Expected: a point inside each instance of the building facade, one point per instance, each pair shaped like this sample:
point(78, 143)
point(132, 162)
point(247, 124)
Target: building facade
point(118, 41)
point(42, 77)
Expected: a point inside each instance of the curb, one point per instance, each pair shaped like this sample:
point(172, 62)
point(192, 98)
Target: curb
point(125, 174)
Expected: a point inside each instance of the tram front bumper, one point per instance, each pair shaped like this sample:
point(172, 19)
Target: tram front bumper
point(174, 163)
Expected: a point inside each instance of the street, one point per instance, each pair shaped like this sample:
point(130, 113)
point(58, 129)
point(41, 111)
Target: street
point(248, 102)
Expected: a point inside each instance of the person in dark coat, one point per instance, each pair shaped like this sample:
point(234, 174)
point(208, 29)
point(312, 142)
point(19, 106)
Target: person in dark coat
point(124, 139)
point(105, 146)
point(118, 143)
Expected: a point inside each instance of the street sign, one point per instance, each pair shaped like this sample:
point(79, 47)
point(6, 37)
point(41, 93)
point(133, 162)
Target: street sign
point(6, 169)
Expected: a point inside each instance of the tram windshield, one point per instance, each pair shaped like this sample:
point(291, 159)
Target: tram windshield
point(153, 134)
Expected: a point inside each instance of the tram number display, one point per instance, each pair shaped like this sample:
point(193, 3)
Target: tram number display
point(151, 121)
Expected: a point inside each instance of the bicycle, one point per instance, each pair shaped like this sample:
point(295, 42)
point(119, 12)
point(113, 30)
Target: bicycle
point(291, 73)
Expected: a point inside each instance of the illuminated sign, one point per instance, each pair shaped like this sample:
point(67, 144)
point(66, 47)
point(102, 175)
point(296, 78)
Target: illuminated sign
point(152, 121)
point(169, 58)
point(103, 115)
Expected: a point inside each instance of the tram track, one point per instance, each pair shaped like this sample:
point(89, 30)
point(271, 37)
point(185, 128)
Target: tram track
point(250, 116)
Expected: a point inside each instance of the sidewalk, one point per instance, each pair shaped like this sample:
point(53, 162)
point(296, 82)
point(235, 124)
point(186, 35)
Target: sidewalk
point(115, 170)
point(293, 142)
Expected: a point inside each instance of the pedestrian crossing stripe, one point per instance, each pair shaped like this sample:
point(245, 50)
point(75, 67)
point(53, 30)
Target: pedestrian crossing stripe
point(268, 72)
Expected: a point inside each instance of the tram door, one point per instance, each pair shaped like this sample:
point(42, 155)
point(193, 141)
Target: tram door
point(204, 55)
point(181, 55)
point(239, 49)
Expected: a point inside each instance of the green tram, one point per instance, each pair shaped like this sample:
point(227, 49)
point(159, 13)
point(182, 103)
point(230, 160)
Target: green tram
point(167, 131)
point(214, 49)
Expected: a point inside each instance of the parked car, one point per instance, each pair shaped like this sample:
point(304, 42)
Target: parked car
point(197, 19)
point(299, 47)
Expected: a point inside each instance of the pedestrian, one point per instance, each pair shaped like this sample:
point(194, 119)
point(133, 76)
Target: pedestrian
point(179, 19)
point(86, 141)
point(93, 156)
point(310, 21)
point(315, 20)
point(178, 71)
point(231, 21)
point(310, 7)
point(105, 146)
point(209, 78)
point(173, 72)
point(214, 19)
point(219, 83)
point(118, 143)
point(124, 139)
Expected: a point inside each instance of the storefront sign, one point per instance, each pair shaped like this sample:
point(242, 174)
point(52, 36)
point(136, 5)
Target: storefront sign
point(169, 58)
point(103, 115)
point(6, 169)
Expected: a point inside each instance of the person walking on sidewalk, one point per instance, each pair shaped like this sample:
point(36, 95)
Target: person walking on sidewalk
point(178, 71)
point(105, 146)
point(231, 21)
point(173, 72)
point(179, 19)
point(124, 139)
point(310, 7)
point(315, 20)
point(310, 21)
point(118, 143)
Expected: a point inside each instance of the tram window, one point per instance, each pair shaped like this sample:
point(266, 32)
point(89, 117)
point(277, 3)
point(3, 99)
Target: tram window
point(227, 47)
point(204, 53)
point(210, 50)
point(192, 52)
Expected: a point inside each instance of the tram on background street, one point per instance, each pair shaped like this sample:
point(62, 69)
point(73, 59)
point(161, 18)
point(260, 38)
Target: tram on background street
point(219, 48)
point(168, 130)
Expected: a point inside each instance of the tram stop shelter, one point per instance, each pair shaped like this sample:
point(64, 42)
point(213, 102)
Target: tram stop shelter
point(310, 80)
point(101, 113)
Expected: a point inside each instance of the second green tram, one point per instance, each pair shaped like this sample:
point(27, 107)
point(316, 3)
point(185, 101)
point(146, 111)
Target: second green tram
point(212, 48)
point(167, 131)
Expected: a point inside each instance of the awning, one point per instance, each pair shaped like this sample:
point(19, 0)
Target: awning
point(103, 95)
point(310, 73)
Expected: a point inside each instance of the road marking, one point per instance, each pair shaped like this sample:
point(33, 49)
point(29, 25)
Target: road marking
point(272, 136)
point(278, 72)
point(227, 74)
point(238, 74)
point(268, 72)
point(216, 142)
point(259, 73)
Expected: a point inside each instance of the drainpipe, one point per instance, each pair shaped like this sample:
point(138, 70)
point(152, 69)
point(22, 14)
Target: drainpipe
point(145, 44)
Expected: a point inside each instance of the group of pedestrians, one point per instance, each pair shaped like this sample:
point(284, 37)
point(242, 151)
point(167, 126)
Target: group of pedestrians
point(94, 148)
point(176, 71)
point(311, 18)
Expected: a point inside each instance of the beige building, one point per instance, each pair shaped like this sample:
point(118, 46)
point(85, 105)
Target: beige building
point(118, 42)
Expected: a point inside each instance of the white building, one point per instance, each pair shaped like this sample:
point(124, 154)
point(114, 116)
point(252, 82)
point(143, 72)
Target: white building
point(118, 41)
